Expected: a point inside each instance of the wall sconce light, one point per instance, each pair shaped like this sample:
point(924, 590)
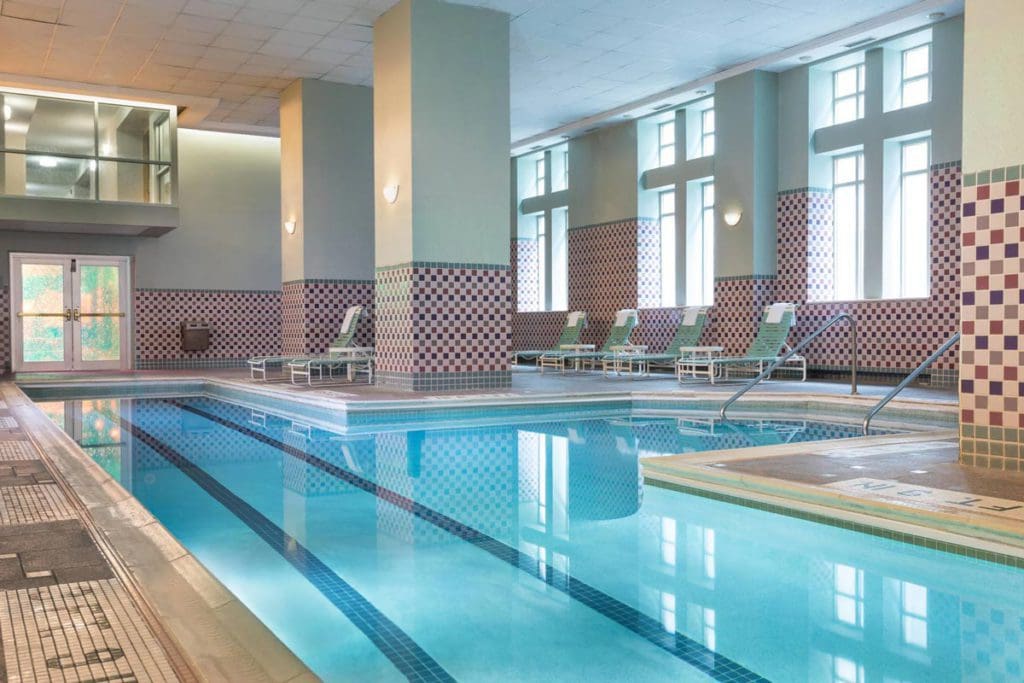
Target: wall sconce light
point(289, 227)
point(390, 193)
point(732, 217)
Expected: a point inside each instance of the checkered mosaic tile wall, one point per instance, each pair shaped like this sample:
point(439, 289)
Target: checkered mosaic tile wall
point(444, 326)
point(312, 312)
point(612, 266)
point(536, 330)
point(991, 357)
point(526, 275)
point(242, 324)
point(5, 332)
point(895, 336)
point(739, 306)
point(658, 326)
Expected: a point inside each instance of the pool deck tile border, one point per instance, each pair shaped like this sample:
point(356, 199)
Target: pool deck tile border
point(205, 631)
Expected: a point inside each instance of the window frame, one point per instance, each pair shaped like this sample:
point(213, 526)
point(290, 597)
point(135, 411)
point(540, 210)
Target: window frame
point(858, 184)
point(858, 94)
point(707, 137)
point(668, 246)
point(666, 149)
point(905, 291)
point(905, 80)
point(540, 174)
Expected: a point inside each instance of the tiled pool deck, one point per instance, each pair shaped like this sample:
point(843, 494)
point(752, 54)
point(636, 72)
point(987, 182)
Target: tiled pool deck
point(909, 486)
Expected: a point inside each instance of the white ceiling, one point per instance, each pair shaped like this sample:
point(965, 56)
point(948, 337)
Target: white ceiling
point(571, 59)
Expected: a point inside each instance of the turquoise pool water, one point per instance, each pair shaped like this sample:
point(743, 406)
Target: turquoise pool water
point(532, 550)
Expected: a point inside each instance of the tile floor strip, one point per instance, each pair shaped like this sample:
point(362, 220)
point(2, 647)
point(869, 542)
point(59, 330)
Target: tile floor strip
point(688, 650)
point(407, 656)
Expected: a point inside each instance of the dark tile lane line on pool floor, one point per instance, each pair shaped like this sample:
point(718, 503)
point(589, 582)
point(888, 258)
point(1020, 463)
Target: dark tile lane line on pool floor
point(717, 666)
point(407, 656)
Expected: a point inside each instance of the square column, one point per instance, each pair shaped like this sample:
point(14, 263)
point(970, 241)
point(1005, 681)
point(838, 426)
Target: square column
point(441, 146)
point(992, 290)
point(326, 188)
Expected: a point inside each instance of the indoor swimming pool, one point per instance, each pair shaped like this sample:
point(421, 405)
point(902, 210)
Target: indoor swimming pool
point(533, 550)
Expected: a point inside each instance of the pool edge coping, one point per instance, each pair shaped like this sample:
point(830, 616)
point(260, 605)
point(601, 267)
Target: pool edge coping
point(971, 535)
point(218, 636)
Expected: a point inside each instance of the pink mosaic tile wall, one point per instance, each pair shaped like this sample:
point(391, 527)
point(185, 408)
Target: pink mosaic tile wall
point(5, 322)
point(739, 306)
point(895, 335)
point(526, 276)
point(991, 381)
point(610, 268)
point(312, 312)
point(444, 326)
point(658, 326)
point(243, 324)
point(536, 330)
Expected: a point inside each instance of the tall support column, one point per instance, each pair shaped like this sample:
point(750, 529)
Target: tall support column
point(991, 355)
point(326, 202)
point(441, 144)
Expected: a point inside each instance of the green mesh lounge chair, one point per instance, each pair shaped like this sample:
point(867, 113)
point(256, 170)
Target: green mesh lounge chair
point(625, 322)
point(688, 332)
point(349, 326)
point(768, 345)
point(574, 324)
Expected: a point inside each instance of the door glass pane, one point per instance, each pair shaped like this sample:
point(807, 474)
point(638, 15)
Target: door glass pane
point(100, 302)
point(42, 291)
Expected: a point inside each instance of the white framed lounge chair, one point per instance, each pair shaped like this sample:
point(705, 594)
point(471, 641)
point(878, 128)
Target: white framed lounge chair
point(584, 356)
point(636, 359)
point(768, 346)
point(575, 322)
point(259, 365)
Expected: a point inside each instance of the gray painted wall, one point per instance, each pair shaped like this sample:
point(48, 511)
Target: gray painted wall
point(603, 175)
point(327, 184)
point(746, 162)
point(229, 200)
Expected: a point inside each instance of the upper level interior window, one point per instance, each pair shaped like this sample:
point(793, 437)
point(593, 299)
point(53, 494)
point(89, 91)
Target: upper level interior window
point(848, 94)
point(85, 149)
point(707, 132)
point(667, 143)
point(565, 169)
point(915, 75)
point(667, 223)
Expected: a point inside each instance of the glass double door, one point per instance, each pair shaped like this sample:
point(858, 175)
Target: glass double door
point(69, 312)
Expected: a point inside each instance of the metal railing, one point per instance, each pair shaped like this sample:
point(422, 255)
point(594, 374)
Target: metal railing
point(797, 349)
point(908, 379)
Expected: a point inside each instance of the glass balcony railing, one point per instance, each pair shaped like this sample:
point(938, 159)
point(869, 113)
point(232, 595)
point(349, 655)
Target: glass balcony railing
point(85, 150)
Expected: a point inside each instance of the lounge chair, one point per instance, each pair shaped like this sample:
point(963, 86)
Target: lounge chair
point(349, 326)
point(768, 346)
point(688, 332)
point(570, 336)
point(625, 322)
point(341, 355)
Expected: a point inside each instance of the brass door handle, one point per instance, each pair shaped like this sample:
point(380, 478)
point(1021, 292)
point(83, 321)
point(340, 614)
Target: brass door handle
point(67, 314)
point(78, 315)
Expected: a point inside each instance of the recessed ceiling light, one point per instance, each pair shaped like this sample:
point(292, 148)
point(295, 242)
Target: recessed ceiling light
point(47, 162)
point(935, 16)
point(804, 58)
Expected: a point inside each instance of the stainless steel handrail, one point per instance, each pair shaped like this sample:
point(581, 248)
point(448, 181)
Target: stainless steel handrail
point(797, 349)
point(909, 378)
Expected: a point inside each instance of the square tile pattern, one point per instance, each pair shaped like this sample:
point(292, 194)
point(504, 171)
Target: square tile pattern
point(443, 326)
point(243, 323)
point(312, 312)
point(991, 357)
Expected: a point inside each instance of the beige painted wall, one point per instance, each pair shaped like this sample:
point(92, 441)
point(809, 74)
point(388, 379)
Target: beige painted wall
point(993, 99)
point(230, 212)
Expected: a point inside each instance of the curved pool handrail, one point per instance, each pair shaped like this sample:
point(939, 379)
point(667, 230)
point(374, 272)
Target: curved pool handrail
point(908, 379)
point(797, 349)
